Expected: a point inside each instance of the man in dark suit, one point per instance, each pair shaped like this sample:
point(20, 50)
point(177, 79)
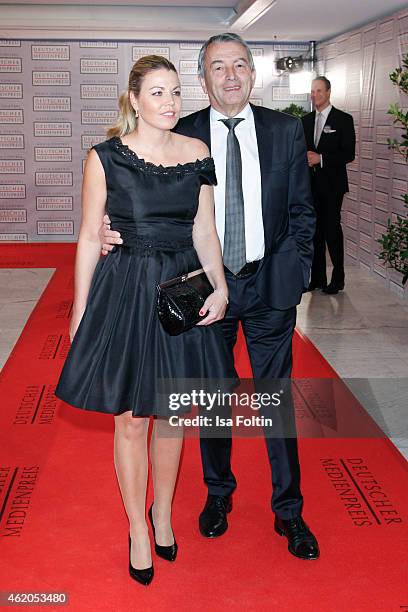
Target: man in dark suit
point(265, 221)
point(330, 141)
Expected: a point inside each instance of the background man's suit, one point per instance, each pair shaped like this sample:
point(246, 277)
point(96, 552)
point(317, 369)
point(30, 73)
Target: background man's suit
point(265, 302)
point(329, 184)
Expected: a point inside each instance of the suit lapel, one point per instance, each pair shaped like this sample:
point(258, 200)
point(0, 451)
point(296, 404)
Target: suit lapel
point(202, 126)
point(331, 116)
point(264, 137)
point(310, 129)
point(328, 122)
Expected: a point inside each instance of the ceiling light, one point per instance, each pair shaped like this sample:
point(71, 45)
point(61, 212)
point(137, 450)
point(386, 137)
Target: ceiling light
point(249, 11)
point(291, 64)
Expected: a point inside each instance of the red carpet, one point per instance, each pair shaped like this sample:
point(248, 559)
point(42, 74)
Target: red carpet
point(62, 526)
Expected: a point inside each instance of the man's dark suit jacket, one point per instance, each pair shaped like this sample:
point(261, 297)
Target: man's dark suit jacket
point(287, 206)
point(337, 148)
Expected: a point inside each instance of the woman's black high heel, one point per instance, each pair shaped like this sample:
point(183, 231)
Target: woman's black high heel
point(144, 576)
point(169, 553)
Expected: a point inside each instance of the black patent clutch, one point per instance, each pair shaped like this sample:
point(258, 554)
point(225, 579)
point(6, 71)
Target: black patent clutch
point(180, 299)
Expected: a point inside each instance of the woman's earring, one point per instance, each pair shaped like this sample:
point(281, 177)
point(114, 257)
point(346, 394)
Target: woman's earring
point(136, 113)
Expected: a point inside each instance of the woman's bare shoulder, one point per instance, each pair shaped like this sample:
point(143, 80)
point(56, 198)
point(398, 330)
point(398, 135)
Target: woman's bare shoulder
point(192, 148)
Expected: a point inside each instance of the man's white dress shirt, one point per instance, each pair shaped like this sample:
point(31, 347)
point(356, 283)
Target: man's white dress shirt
point(251, 179)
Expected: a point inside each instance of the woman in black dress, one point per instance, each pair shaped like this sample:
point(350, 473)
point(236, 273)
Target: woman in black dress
point(156, 187)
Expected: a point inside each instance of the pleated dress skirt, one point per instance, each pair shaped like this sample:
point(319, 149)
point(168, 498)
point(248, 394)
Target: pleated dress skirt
point(121, 355)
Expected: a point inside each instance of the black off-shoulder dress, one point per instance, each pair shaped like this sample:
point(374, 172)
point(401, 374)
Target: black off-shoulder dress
point(120, 351)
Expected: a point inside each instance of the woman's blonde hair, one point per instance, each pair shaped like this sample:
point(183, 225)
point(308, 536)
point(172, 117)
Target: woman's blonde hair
point(127, 120)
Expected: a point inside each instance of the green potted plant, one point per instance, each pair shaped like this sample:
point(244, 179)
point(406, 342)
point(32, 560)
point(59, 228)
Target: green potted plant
point(293, 109)
point(395, 240)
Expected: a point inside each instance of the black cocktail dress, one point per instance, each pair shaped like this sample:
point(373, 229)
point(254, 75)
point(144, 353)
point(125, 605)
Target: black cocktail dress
point(120, 351)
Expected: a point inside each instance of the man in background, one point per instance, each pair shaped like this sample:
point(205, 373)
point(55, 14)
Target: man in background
point(330, 140)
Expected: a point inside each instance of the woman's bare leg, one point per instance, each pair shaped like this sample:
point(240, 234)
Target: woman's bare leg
point(165, 451)
point(131, 463)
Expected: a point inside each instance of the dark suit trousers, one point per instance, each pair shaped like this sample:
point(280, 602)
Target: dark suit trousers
point(328, 231)
point(268, 333)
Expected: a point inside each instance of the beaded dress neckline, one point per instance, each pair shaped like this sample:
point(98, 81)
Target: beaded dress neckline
point(146, 166)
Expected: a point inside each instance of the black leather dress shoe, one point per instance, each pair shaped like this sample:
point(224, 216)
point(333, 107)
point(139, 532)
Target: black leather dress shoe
point(312, 286)
point(143, 576)
point(301, 541)
point(169, 553)
point(213, 519)
point(333, 288)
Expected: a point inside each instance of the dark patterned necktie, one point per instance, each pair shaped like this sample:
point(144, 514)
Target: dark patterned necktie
point(234, 253)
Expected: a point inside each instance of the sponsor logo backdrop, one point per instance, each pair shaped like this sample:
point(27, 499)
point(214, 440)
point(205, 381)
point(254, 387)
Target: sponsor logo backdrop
point(56, 101)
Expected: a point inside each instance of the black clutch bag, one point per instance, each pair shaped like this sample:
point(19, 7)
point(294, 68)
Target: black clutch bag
point(180, 299)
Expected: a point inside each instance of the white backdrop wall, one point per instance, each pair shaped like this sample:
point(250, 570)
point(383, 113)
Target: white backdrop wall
point(56, 100)
point(358, 64)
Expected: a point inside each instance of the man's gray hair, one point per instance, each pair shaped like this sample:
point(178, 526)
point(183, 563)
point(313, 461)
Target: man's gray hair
point(221, 38)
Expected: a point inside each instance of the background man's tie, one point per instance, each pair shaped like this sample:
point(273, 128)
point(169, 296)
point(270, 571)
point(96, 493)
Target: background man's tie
point(234, 253)
point(319, 128)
